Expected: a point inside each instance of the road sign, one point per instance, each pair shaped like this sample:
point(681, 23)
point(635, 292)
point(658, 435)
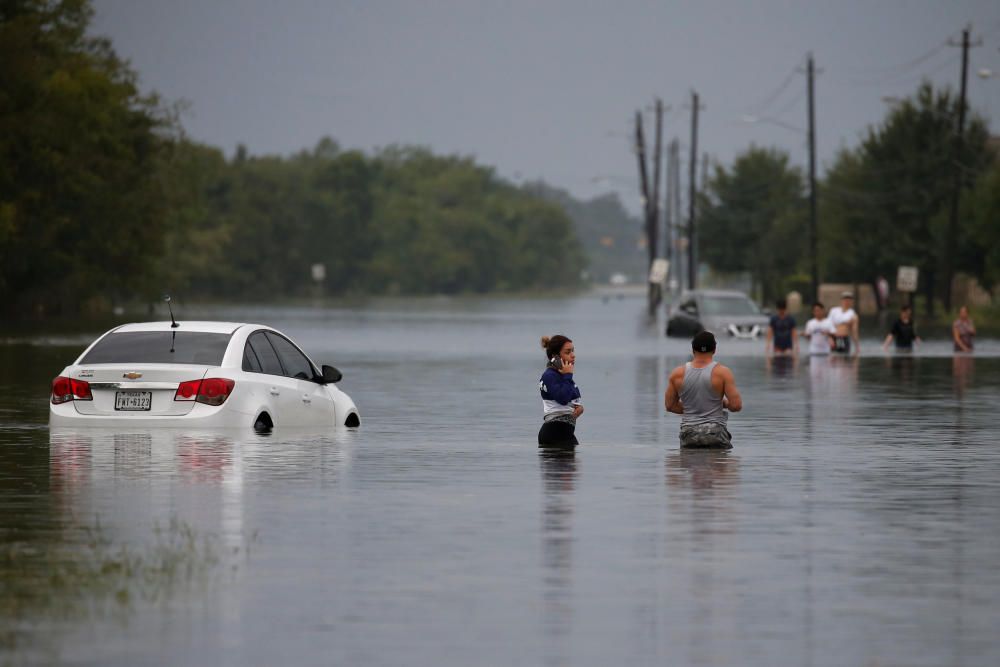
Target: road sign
point(658, 271)
point(906, 279)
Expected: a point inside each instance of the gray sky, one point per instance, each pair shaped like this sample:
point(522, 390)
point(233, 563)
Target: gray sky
point(543, 89)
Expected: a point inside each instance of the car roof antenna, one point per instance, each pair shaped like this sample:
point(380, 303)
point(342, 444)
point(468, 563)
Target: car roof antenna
point(173, 322)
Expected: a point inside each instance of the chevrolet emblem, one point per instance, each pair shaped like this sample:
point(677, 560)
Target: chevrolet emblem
point(132, 375)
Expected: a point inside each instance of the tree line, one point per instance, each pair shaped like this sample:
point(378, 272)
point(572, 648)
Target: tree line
point(883, 203)
point(103, 200)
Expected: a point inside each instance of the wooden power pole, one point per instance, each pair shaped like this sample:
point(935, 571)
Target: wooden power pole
point(692, 195)
point(951, 244)
point(813, 243)
point(650, 196)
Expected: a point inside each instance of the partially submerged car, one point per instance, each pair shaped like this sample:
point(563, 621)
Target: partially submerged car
point(723, 312)
point(198, 374)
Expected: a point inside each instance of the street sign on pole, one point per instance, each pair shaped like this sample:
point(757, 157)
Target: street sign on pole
point(658, 271)
point(318, 272)
point(906, 279)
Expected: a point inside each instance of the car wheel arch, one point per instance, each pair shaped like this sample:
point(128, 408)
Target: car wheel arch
point(263, 423)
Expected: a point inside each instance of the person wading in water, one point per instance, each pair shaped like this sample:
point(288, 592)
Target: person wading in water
point(561, 405)
point(700, 392)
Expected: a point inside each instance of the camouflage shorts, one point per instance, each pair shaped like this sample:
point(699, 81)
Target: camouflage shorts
point(706, 435)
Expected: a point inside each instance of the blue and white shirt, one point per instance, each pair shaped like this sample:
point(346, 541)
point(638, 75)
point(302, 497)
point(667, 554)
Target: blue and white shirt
point(559, 394)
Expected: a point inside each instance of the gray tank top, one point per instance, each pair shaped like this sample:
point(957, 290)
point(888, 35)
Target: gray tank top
point(701, 405)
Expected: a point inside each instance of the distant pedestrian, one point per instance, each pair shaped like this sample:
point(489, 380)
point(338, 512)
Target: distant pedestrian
point(819, 330)
point(903, 332)
point(561, 401)
point(845, 322)
point(701, 391)
point(963, 331)
point(782, 336)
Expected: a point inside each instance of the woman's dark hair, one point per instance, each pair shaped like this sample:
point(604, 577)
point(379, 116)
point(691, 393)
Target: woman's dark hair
point(554, 344)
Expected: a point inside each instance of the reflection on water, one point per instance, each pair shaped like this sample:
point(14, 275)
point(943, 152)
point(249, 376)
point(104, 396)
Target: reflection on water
point(853, 523)
point(706, 472)
point(781, 366)
point(559, 476)
point(962, 369)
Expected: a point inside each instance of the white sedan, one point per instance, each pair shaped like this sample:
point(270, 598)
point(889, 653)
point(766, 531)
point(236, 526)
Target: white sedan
point(198, 374)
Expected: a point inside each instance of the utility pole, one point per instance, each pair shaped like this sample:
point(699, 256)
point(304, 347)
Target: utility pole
point(692, 177)
point(647, 203)
point(640, 153)
point(670, 194)
point(813, 243)
point(653, 216)
point(951, 247)
point(678, 227)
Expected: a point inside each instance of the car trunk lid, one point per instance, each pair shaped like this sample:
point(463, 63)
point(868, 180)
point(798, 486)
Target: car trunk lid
point(139, 390)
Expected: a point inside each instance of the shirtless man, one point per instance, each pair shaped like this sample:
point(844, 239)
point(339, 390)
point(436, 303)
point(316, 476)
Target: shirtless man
point(845, 322)
point(700, 392)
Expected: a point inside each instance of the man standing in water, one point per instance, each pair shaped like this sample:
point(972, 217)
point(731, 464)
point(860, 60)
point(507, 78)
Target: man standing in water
point(700, 392)
point(782, 336)
point(845, 321)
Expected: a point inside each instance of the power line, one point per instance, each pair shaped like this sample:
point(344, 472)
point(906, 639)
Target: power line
point(762, 106)
point(910, 64)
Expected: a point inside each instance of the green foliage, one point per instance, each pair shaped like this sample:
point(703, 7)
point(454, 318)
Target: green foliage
point(609, 235)
point(885, 203)
point(401, 222)
point(100, 203)
point(81, 208)
point(979, 246)
point(752, 217)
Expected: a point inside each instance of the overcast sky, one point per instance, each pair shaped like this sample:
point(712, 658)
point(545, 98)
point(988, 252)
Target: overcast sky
point(544, 89)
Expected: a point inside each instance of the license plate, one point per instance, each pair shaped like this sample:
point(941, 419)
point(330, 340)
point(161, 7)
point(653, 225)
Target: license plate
point(133, 400)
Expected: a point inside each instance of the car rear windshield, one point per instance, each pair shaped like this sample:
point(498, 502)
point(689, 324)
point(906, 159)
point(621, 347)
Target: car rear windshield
point(730, 305)
point(159, 347)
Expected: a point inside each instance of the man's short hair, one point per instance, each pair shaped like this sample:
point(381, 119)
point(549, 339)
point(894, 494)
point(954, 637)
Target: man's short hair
point(703, 342)
point(781, 304)
point(819, 303)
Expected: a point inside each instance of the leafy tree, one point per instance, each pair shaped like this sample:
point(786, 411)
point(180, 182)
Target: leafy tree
point(885, 203)
point(979, 247)
point(197, 235)
point(81, 209)
point(338, 213)
point(609, 235)
point(752, 218)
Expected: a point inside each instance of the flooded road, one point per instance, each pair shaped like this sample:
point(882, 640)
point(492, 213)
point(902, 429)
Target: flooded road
point(854, 522)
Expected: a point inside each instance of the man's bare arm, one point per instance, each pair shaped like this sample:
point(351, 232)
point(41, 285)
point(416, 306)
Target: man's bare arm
point(731, 395)
point(671, 398)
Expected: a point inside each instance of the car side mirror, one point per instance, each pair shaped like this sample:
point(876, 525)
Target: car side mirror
point(331, 375)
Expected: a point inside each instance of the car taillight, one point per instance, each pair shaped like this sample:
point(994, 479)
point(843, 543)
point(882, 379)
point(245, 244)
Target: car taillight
point(187, 391)
point(210, 391)
point(66, 389)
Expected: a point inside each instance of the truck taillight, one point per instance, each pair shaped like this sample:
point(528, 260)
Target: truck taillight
point(66, 389)
point(210, 391)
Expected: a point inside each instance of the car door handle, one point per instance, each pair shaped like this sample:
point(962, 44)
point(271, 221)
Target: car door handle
point(274, 391)
point(306, 398)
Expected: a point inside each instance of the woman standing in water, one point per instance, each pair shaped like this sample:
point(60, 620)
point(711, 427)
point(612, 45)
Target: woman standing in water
point(963, 331)
point(561, 404)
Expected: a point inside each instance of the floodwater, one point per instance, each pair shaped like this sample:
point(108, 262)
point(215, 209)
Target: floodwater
point(856, 521)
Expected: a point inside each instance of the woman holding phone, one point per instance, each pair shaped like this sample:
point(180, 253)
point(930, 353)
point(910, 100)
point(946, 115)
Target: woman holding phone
point(561, 404)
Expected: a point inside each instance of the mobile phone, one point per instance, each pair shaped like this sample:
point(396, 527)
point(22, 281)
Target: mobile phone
point(556, 363)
